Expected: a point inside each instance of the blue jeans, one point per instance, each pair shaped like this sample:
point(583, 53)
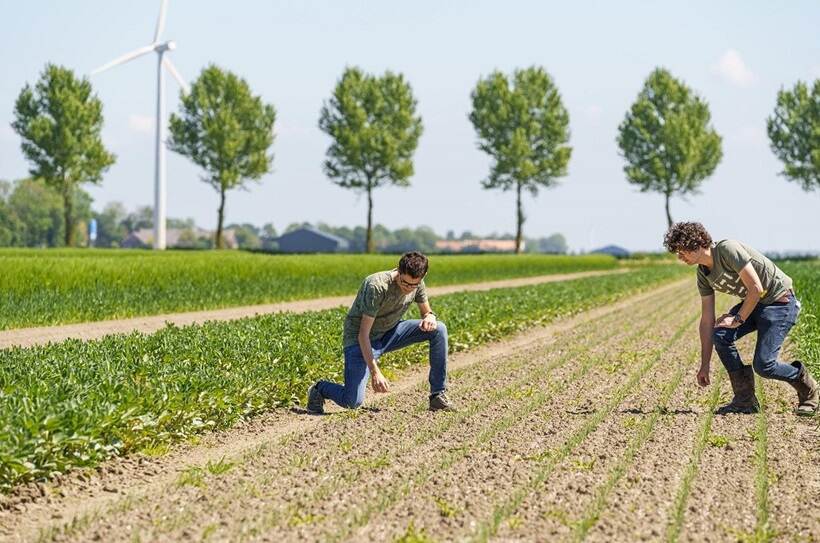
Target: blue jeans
point(772, 323)
point(405, 333)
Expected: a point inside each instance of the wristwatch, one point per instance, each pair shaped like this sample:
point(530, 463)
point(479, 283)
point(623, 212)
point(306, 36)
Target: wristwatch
point(737, 319)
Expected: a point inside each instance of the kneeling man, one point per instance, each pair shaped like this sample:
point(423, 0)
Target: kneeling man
point(373, 326)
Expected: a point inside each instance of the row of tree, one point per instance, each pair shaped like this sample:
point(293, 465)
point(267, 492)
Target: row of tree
point(666, 138)
point(31, 215)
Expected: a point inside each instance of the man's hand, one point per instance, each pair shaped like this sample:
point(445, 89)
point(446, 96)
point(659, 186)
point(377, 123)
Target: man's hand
point(428, 323)
point(726, 321)
point(703, 375)
point(380, 384)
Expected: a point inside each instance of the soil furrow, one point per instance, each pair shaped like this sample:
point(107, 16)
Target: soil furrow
point(794, 465)
point(568, 504)
point(489, 526)
point(725, 500)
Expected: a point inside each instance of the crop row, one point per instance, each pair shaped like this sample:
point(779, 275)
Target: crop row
point(76, 403)
point(53, 287)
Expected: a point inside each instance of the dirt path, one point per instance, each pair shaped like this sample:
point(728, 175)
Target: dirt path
point(27, 337)
point(588, 429)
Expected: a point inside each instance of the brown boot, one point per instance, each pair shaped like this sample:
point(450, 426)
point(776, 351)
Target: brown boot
point(807, 391)
point(743, 385)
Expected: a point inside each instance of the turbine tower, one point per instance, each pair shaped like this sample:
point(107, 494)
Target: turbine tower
point(163, 61)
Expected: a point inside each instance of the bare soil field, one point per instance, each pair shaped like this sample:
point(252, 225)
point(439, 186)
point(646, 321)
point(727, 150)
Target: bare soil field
point(588, 429)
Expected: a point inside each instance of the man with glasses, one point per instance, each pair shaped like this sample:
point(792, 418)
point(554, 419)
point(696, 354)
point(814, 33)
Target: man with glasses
point(373, 326)
point(769, 307)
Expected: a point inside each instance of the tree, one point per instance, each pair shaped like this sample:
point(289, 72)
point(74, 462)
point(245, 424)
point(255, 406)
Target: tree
point(60, 122)
point(37, 212)
point(111, 230)
point(666, 139)
point(523, 125)
point(794, 132)
point(375, 130)
point(247, 235)
point(226, 130)
point(142, 217)
point(554, 244)
point(9, 224)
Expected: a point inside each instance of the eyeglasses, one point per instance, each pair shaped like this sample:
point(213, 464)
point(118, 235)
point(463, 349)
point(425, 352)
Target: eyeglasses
point(407, 284)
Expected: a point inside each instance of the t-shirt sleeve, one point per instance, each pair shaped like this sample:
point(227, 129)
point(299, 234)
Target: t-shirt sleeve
point(735, 256)
point(704, 287)
point(372, 298)
point(421, 293)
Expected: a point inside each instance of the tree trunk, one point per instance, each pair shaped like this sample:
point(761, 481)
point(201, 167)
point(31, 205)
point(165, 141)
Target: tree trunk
point(220, 217)
point(520, 221)
point(371, 246)
point(67, 215)
point(668, 215)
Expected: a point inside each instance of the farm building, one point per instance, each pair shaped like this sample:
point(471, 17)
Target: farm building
point(311, 240)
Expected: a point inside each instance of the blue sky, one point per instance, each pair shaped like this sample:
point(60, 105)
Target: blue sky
point(734, 54)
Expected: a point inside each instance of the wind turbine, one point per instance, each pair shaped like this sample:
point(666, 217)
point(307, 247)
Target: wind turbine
point(163, 61)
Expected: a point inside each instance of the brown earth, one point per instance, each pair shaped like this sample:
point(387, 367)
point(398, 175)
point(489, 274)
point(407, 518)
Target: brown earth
point(591, 428)
point(41, 335)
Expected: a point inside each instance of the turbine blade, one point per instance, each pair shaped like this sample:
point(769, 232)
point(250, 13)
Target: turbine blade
point(161, 20)
point(125, 58)
point(174, 72)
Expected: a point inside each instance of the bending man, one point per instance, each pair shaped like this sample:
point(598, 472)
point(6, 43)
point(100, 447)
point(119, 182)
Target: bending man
point(769, 307)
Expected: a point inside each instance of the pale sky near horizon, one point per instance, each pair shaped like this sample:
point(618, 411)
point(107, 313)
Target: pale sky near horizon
point(735, 54)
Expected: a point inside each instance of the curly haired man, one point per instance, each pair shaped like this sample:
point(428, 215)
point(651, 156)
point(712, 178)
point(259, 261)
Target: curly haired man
point(769, 307)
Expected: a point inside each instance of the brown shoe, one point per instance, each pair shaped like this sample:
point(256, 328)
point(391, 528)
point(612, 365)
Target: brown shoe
point(808, 393)
point(743, 385)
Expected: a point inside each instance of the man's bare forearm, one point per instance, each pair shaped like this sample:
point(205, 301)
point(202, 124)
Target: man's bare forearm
point(749, 303)
point(367, 352)
point(706, 329)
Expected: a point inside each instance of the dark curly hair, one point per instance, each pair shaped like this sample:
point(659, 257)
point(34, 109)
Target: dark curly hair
point(413, 264)
point(686, 236)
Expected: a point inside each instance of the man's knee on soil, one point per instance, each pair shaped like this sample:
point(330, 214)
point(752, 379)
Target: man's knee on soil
point(353, 402)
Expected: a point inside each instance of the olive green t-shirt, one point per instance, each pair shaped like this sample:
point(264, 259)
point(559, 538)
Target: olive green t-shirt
point(729, 258)
point(379, 297)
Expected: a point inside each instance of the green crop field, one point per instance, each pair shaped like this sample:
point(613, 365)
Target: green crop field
point(806, 334)
point(62, 286)
point(76, 403)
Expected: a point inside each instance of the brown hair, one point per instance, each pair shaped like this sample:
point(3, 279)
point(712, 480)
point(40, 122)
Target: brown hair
point(686, 236)
point(413, 264)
